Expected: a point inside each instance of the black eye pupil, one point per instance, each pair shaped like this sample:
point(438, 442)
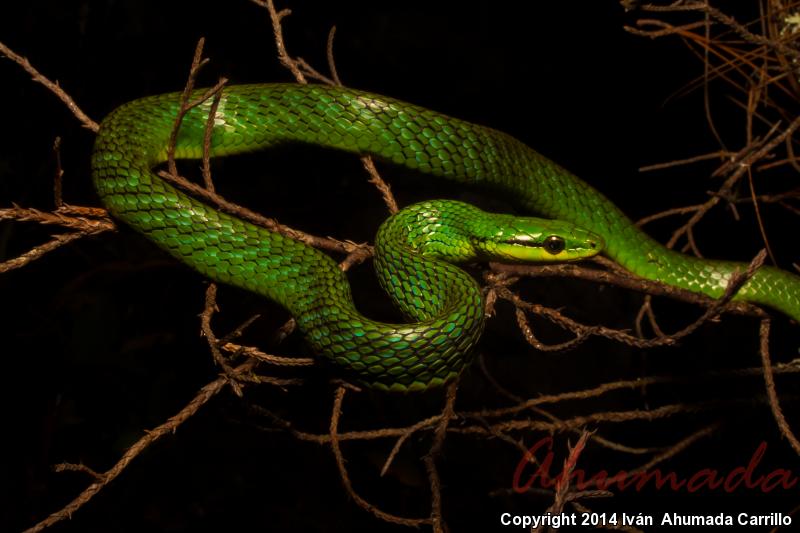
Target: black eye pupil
point(554, 244)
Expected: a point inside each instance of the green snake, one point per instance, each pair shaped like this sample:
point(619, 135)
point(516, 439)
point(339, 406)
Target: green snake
point(414, 248)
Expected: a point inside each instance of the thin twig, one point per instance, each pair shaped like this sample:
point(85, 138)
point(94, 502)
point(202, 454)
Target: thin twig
point(345, 477)
point(52, 86)
point(57, 180)
point(325, 243)
point(39, 251)
point(430, 458)
point(209, 309)
point(331, 62)
point(769, 381)
point(170, 426)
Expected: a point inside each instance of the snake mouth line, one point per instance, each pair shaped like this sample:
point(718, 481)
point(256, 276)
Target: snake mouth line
point(525, 242)
point(553, 244)
point(535, 244)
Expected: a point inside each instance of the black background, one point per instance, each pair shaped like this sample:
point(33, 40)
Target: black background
point(100, 339)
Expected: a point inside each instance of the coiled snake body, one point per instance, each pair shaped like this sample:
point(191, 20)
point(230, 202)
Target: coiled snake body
point(443, 303)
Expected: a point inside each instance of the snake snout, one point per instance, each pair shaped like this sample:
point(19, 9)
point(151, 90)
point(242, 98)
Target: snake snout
point(593, 244)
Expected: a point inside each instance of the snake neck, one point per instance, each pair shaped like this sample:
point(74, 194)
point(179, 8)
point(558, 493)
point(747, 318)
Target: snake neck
point(415, 250)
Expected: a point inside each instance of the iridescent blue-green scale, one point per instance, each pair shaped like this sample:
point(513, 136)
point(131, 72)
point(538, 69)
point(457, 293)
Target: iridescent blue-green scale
point(425, 353)
point(402, 357)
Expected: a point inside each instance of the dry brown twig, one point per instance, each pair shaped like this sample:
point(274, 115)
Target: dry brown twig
point(345, 477)
point(302, 71)
point(82, 227)
point(582, 332)
point(52, 86)
point(482, 419)
point(150, 437)
point(563, 494)
point(763, 66)
point(82, 221)
point(769, 380)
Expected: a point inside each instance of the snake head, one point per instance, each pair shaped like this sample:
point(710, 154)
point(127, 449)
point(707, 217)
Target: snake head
point(458, 232)
point(537, 240)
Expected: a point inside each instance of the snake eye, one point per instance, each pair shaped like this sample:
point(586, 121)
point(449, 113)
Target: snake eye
point(554, 244)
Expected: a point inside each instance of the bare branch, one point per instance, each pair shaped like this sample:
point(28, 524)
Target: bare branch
point(203, 396)
point(769, 380)
point(51, 86)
